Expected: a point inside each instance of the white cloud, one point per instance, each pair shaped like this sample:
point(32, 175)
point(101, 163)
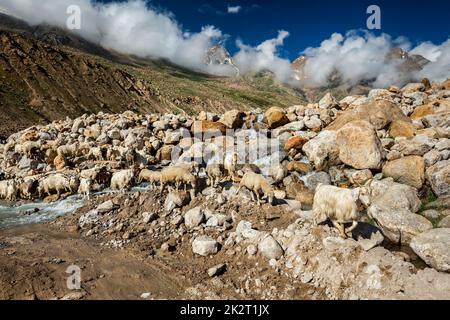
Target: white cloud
point(362, 57)
point(234, 9)
point(134, 28)
point(427, 50)
point(127, 27)
point(264, 57)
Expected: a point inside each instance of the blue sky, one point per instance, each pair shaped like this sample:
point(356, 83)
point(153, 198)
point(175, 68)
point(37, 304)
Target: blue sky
point(310, 22)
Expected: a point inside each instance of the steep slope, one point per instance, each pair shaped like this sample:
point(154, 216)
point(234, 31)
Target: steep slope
point(48, 74)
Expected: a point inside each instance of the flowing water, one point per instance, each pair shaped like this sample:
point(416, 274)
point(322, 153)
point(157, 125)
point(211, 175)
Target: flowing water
point(24, 213)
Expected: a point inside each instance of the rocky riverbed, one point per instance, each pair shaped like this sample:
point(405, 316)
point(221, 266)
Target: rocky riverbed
point(213, 242)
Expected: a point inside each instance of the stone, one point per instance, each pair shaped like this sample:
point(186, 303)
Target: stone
point(270, 248)
point(313, 123)
point(323, 150)
point(431, 157)
point(431, 214)
point(217, 270)
point(394, 195)
point(438, 176)
point(442, 144)
point(398, 225)
point(89, 218)
point(408, 170)
point(375, 240)
point(149, 217)
point(194, 217)
point(401, 128)
point(359, 145)
point(216, 220)
point(176, 199)
point(295, 143)
point(328, 101)
point(233, 119)
point(433, 246)
point(208, 127)
point(314, 179)
point(379, 113)
point(275, 117)
point(205, 246)
point(413, 87)
point(360, 177)
point(290, 127)
point(244, 229)
point(298, 166)
point(106, 207)
point(419, 145)
point(444, 223)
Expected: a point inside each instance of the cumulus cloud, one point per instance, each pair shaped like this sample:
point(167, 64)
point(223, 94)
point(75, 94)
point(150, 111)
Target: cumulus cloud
point(439, 69)
point(264, 56)
point(362, 57)
point(126, 27)
point(234, 9)
point(133, 27)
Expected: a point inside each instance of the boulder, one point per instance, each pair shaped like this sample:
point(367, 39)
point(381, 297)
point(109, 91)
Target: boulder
point(299, 167)
point(106, 207)
point(295, 143)
point(379, 113)
point(208, 127)
point(322, 150)
point(314, 179)
point(444, 223)
point(433, 246)
point(408, 170)
point(438, 176)
point(194, 217)
point(359, 145)
point(176, 199)
point(394, 195)
point(233, 119)
point(401, 128)
point(205, 246)
point(270, 248)
point(275, 117)
point(419, 145)
point(328, 102)
point(398, 225)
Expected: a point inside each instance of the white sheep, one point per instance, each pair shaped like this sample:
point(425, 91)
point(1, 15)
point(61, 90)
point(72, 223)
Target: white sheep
point(85, 187)
point(68, 150)
point(177, 175)
point(257, 184)
point(337, 204)
point(28, 187)
point(8, 190)
point(153, 177)
point(214, 172)
point(58, 183)
point(122, 180)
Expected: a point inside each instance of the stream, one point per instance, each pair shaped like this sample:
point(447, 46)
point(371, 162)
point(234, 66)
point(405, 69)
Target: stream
point(33, 212)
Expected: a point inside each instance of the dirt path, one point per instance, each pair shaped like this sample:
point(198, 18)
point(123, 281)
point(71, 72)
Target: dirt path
point(34, 259)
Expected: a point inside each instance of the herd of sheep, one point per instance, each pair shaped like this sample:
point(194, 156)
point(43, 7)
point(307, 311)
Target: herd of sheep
point(118, 151)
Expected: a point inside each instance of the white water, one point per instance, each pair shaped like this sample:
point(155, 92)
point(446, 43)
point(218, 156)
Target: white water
point(39, 212)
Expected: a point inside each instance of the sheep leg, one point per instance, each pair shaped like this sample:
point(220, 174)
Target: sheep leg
point(258, 197)
point(340, 228)
point(353, 227)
